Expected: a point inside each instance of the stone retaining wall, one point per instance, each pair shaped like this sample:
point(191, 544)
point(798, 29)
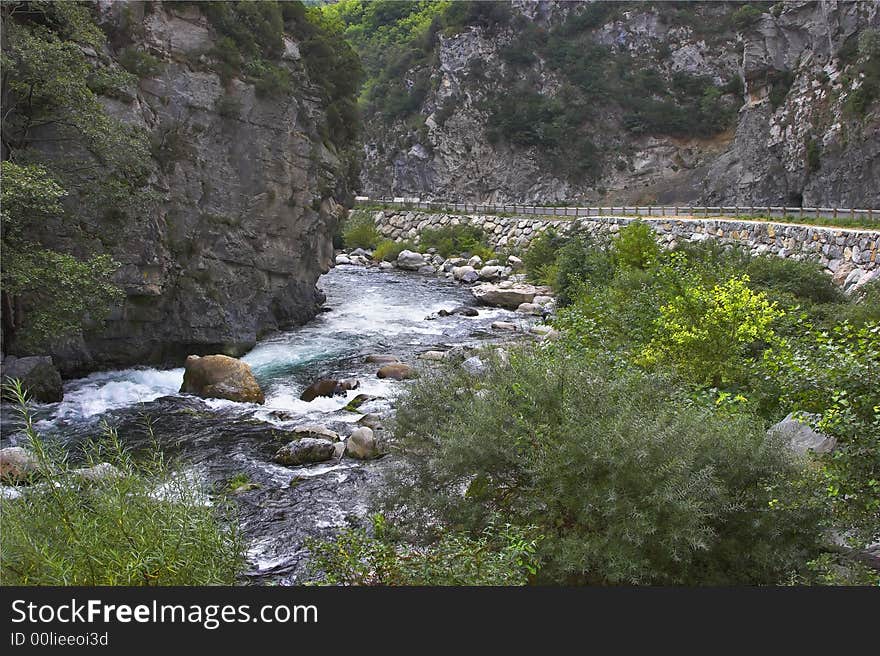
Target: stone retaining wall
point(848, 254)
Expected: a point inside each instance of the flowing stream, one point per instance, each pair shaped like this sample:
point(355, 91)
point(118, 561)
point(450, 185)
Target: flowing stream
point(367, 311)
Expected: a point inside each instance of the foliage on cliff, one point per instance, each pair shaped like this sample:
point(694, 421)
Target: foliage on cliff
point(59, 143)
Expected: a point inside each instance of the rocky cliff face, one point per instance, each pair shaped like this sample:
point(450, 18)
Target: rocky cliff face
point(787, 76)
point(244, 202)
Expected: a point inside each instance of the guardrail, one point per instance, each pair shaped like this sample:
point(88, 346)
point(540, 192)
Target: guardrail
point(696, 211)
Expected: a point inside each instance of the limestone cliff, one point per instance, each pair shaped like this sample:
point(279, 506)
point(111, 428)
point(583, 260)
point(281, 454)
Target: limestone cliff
point(244, 198)
point(785, 73)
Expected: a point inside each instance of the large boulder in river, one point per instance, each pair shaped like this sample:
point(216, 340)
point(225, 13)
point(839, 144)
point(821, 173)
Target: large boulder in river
point(506, 296)
point(221, 377)
point(38, 377)
point(17, 464)
point(328, 387)
point(410, 260)
point(305, 451)
point(362, 444)
point(397, 371)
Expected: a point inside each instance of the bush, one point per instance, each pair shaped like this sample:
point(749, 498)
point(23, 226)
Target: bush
point(627, 482)
point(706, 334)
point(636, 246)
point(540, 258)
point(807, 281)
point(498, 556)
point(360, 231)
point(139, 63)
point(388, 250)
point(454, 240)
point(581, 260)
point(118, 530)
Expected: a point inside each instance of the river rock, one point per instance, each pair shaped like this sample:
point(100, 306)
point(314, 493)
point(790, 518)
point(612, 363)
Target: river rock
point(385, 265)
point(410, 260)
point(17, 464)
point(359, 400)
point(474, 366)
point(343, 259)
point(491, 272)
point(362, 444)
point(370, 420)
point(316, 431)
point(382, 358)
point(801, 437)
point(542, 300)
point(103, 471)
point(530, 308)
point(359, 252)
point(504, 325)
point(476, 262)
point(465, 274)
point(514, 262)
point(221, 377)
point(461, 310)
point(398, 371)
point(304, 451)
point(433, 355)
point(328, 387)
point(510, 297)
point(38, 377)
point(427, 270)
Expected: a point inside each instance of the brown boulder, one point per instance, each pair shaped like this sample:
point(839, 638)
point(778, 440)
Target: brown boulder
point(221, 377)
point(328, 387)
point(397, 371)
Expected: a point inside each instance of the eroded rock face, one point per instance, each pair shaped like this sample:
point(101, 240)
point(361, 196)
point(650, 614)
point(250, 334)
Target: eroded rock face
point(221, 377)
point(244, 214)
point(761, 160)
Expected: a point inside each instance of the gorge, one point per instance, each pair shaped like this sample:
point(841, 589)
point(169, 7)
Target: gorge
point(440, 397)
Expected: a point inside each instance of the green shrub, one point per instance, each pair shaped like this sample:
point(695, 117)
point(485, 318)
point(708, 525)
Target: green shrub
point(581, 260)
point(706, 334)
point(636, 246)
point(627, 482)
point(117, 530)
point(454, 240)
point(388, 250)
point(228, 106)
point(498, 556)
point(805, 280)
point(540, 258)
point(746, 16)
point(139, 63)
point(360, 231)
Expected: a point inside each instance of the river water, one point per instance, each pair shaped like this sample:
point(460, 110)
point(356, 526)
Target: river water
point(367, 311)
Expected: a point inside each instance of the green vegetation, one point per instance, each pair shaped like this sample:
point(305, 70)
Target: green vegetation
point(456, 240)
point(497, 556)
point(53, 285)
point(139, 63)
point(863, 57)
point(360, 231)
point(636, 444)
point(140, 524)
point(627, 482)
point(388, 250)
point(746, 16)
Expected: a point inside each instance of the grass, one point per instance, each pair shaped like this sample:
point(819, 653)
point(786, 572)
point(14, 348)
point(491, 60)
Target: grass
point(148, 524)
point(840, 221)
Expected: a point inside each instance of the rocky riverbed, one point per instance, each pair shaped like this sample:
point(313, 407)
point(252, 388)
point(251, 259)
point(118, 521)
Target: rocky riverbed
point(417, 313)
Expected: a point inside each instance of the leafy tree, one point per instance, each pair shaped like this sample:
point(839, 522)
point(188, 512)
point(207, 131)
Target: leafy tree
point(50, 294)
point(706, 333)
